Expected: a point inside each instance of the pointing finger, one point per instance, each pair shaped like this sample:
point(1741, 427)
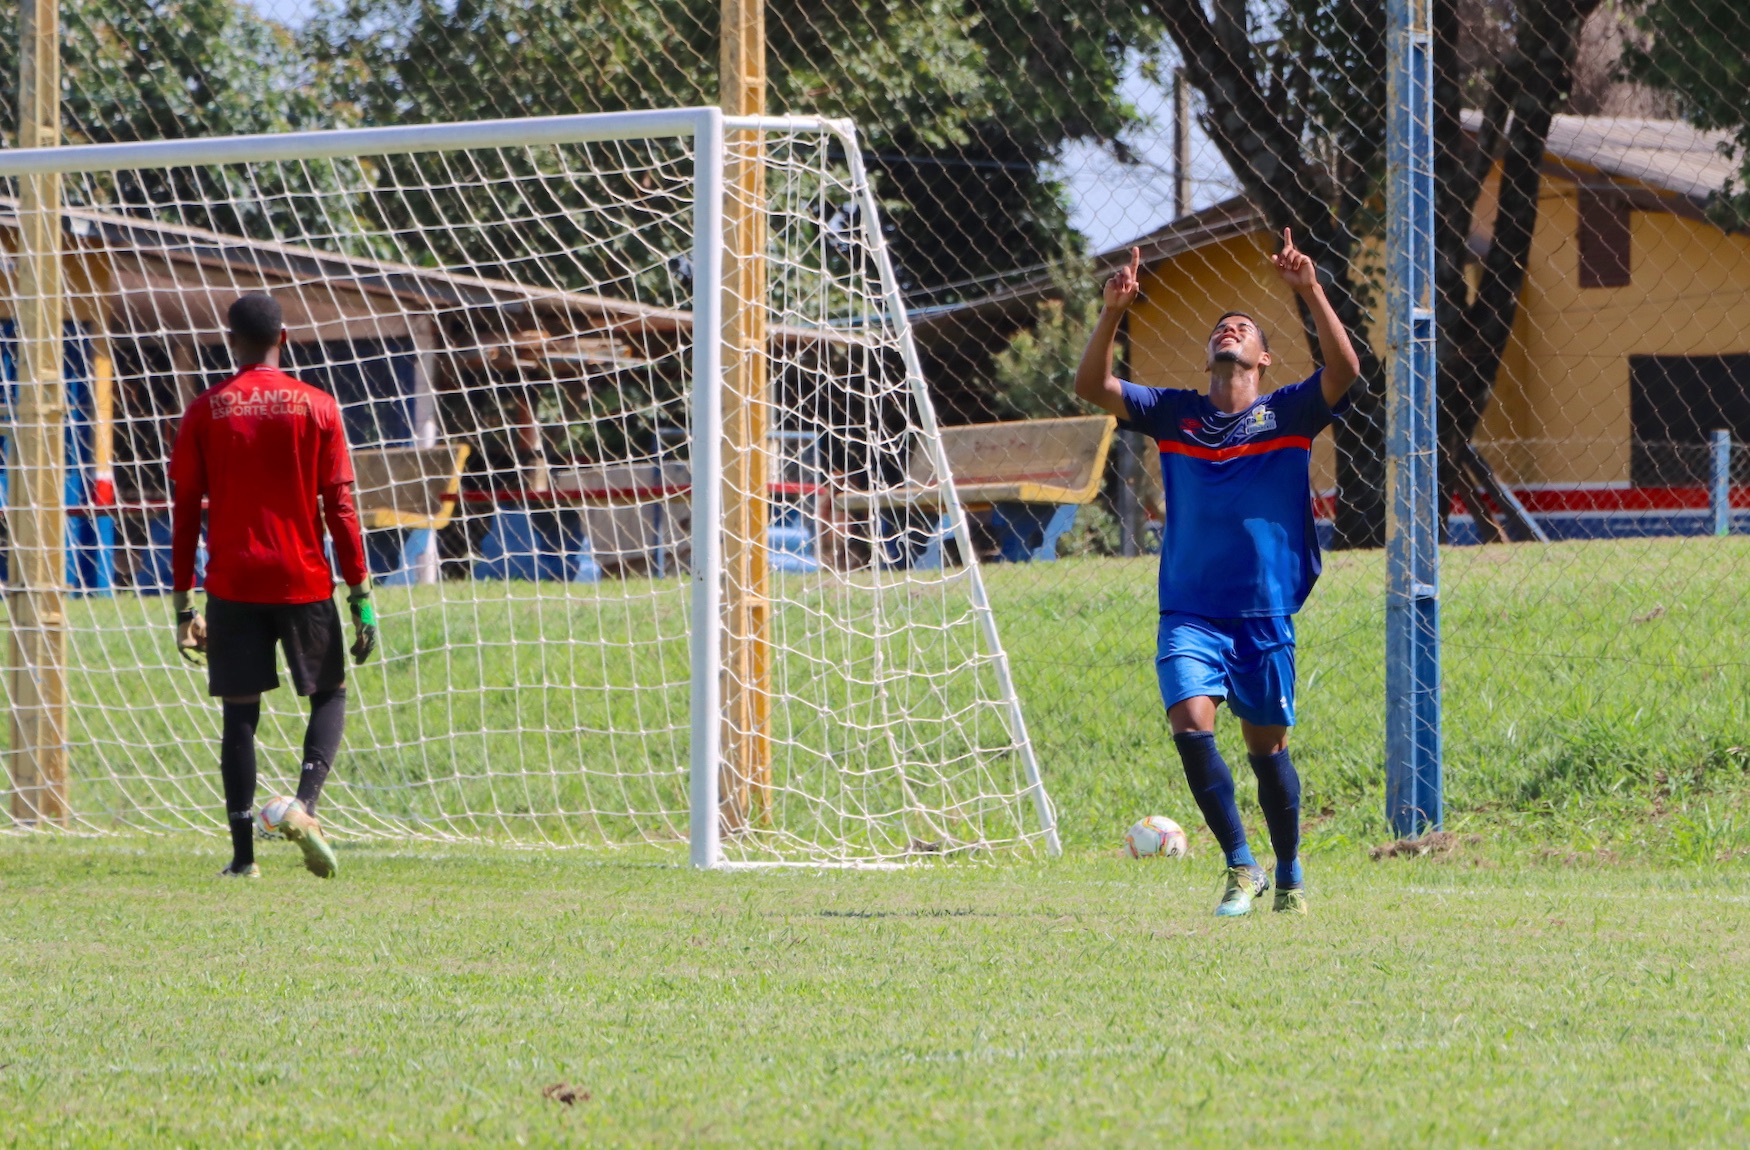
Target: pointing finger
point(1135, 262)
point(1287, 240)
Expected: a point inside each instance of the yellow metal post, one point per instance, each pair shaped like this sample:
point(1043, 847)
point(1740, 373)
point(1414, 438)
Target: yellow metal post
point(103, 425)
point(745, 780)
point(36, 513)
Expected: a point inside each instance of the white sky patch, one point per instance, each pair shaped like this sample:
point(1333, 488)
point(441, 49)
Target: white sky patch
point(1111, 202)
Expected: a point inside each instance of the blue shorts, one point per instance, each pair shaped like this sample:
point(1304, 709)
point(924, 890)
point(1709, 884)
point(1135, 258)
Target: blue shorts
point(1248, 662)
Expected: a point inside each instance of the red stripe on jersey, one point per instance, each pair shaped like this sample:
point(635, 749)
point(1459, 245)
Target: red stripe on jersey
point(1222, 454)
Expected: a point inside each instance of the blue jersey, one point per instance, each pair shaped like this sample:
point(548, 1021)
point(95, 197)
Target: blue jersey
point(1239, 540)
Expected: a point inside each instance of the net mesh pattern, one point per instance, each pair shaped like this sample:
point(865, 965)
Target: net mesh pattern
point(509, 333)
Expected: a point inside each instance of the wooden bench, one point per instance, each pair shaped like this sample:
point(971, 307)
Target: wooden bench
point(415, 490)
point(1031, 475)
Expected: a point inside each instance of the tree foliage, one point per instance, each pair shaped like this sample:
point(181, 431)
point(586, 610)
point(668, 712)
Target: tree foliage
point(962, 102)
point(1034, 376)
point(1699, 51)
point(160, 69)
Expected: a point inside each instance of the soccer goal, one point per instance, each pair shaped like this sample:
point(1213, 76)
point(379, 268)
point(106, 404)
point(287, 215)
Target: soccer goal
point(637, 421)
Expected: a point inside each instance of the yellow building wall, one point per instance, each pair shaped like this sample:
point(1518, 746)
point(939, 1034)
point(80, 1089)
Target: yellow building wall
point(1181, 298)
point(1559, 415)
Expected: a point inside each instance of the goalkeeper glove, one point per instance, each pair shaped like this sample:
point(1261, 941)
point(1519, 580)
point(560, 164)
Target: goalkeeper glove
point(191, 632)
point(364, 623)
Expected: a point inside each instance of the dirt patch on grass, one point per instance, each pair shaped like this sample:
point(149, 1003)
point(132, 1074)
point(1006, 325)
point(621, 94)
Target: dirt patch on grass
point(565, 1094)
point(1435, 844)
point(1598, 856)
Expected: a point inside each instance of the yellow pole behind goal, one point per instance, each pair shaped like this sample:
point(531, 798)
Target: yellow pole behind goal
point(746, 775)
point(36, 513)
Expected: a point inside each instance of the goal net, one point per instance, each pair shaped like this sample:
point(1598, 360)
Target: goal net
point(665, 546)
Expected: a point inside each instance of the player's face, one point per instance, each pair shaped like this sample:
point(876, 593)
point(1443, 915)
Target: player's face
point(1236, 340)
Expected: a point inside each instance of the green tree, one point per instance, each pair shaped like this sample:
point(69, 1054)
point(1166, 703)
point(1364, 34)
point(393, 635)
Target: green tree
point(161, 69)
point(1034, 376)
point(962, 102)
point(1699, 51)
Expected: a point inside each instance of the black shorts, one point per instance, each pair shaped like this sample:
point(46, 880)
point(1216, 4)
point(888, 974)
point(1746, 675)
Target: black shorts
point(241, 637)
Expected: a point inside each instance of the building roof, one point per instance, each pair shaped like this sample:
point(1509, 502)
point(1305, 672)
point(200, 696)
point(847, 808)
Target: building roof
point(214, 260)
point(1667, 155)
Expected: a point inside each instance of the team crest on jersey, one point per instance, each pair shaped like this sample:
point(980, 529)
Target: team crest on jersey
point(1261, 419)
point(1190, 426)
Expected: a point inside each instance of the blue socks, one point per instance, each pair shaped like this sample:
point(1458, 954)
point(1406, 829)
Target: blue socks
point(1212, 785)
point(1279, 795)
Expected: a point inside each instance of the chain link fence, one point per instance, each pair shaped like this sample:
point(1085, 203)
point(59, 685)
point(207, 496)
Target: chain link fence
point(1593, 285)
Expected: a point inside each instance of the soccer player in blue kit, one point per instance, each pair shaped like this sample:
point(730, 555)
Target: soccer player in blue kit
point(1238, 554)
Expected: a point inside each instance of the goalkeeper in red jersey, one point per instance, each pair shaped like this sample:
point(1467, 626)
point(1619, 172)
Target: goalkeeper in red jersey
point(268, 456)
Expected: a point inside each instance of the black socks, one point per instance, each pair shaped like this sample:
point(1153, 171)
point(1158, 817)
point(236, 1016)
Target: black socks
point(237, 763)
point(1279, 796)
point(237, 769)
point(1212, 785)
point(321, 743)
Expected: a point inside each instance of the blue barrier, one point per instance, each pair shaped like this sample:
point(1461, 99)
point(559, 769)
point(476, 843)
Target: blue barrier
point(394, 554)
point(537, 546)
point(790, 542)
point(1025, 533)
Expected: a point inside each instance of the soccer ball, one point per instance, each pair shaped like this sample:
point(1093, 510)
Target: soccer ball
point(1156, 837)
point(273, 813)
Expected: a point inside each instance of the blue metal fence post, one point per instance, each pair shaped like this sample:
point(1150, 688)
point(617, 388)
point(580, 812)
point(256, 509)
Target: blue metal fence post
point(1720, 491)
point(1412, 626)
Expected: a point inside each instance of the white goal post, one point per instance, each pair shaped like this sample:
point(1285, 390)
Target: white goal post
point(531, 359)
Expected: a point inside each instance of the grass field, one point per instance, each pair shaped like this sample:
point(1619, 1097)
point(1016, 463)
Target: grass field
point(1586, 685)
point(428, 998)
point(1571, 972)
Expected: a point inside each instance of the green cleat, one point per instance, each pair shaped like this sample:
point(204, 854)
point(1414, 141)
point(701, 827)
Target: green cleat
point(250, 871)
point(1244, 883)
point(304, 830)
point(1290, 900)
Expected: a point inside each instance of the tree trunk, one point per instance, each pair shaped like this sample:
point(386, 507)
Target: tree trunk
point(1474, 330)
point(1248, 126)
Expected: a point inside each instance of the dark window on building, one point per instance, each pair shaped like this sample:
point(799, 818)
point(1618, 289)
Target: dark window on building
point(1676, 403)
point(1604, 239)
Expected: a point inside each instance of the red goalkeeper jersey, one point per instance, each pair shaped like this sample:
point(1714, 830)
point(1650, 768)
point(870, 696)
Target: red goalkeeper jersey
point(262, 449)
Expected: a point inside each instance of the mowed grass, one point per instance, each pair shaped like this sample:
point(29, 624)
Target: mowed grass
point(1571, 974)
point(429, 998)
point(1588, 687)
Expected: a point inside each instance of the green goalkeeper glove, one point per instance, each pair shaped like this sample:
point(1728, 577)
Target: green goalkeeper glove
point(364, 623)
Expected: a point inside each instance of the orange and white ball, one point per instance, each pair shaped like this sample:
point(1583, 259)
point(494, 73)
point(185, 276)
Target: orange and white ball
point(1156, 837)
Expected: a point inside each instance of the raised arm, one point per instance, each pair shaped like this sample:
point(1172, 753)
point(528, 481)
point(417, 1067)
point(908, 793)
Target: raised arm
point(1342, 365)
point(1094, 379)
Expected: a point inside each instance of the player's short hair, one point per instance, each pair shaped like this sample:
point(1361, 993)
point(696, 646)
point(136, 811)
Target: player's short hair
point(1247, 316)
point(256, 318)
